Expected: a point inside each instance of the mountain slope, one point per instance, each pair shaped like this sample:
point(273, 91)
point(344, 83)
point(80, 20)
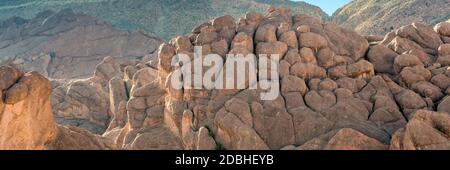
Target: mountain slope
point(165, 18)
point(65, 44)
point(381, 16)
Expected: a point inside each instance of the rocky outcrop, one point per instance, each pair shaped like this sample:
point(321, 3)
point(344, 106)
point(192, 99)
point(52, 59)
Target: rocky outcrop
point(378, 17)
point(69, 47)
point(90, 103)
point(425, 131)
point(65, 45)
point(237, 119)
point(26, 117)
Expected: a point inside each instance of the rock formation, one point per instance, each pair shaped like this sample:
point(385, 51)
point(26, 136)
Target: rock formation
point(338, 91)
point(26, 117)
point(67, 45)
point(378, 17)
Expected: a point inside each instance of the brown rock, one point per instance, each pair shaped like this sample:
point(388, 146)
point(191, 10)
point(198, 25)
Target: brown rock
point(444, 60)
point(443, 28)
point(303, 29)
point(421, 34)
point(224, 21)
point(144, 76)
point(427, 90)
point(183, 44)
point(338, 72)
point(241, 109)
point(16, 93)
point(117, 93)
point(204, 141)
point(274, 126)
point(293, 100)
point(402, 45)
point(284, 68)
point(321, 100)
point(9, 76)
point(348, 83)
point(266, 33)
point(307, 71)
point(349, 139)
point(220, 47)
point(405, 60)
point(282, 28)
point(106, 70)
point(308, 55)
point(293, 84)
point(411, 75)
point(325, 58)
point(426, 130)
point(308, 124)
point(85, 101)
point(444, 105)
point(31, 122)
point(389, 118)
point(444, 50)
point(136, 103)
point(327, 84)
point(345, 107)
point(242, 40)
point(151, 89)
point(441, 80)
point(157, 138)
point(28, 133)
point(234, 134)
point(382, 59)
point(206, 37)
point(360, 69)
point(312, 40)
point(292, 56)
point(270, 48)
point(355, 47)
point(290, 38)
point(409, 102)
point(374, 38)
point(154, 116)
point(188, 136)
point(165, 54)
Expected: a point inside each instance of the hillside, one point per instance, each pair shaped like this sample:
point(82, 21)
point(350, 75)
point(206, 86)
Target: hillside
point(67, 45)
point(165, 18)
point(381, 16)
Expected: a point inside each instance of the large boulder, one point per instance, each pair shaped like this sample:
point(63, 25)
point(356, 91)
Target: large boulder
point(426, 130)
point(26, 117)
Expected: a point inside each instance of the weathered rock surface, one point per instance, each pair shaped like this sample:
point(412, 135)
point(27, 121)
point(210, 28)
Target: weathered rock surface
point(26, 117)
point(425, 131)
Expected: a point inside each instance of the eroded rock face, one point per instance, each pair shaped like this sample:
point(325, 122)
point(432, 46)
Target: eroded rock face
point(90, 103)
point(358, 141)
point(333, 94)
point(426, 130)
point(26, 117)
